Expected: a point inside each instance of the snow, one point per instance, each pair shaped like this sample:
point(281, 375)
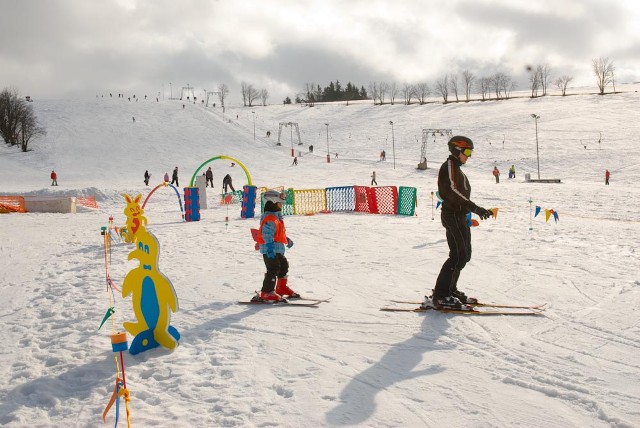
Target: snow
point(344, 363)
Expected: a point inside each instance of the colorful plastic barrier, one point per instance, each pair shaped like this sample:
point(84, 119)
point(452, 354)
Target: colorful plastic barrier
point(373, 200)
point(407, 200)
point(248, 209)
point(192, 203)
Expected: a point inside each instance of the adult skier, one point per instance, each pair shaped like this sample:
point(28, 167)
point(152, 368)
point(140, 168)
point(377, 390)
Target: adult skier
point(209, 177)
point(454, 190)
point(174, 177)
point(226, 183)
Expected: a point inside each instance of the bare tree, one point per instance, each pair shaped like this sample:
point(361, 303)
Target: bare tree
point(544, 71)
point(422, 92)
point(18, 123)
point(442, 87)
point(308, 95)
point(244, 90)
point(223, 91)
point(29, 128)
point(534, 81)
point(496, 84)
point(383, 88)
point(264, 94)
point(510, 85)
point(467, 78)
point(408, 91)
point(502, 85)
point(603, 69)
point(393, 92)
point(453, 84)
point(485, 86)
point(10, 111)
point(374, 91)
point(249, 94)
point(562, 82)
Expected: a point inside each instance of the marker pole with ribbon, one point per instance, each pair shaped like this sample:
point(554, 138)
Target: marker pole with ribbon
point(431, 205)
point(119, 344)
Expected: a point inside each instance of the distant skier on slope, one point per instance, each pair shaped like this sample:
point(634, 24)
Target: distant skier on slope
point(174, 176)
point(209, 177)
point(455, 190)
point(226, 183)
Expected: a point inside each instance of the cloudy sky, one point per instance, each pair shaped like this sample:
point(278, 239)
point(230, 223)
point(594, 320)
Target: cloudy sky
point(69, 48)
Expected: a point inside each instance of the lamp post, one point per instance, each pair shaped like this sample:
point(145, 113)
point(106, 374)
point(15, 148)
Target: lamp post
point(170, 91)
point(254, 125)
point(328, 156)
point(393, 144)
point(536, 117)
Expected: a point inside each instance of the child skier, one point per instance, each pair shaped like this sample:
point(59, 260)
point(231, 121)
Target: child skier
point(272, 238)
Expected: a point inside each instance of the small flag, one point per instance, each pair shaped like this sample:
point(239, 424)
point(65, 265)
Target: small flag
point(109, 312)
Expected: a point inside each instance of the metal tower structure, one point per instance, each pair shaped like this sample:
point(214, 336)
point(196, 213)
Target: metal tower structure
point(431, 133)
point(292, 125)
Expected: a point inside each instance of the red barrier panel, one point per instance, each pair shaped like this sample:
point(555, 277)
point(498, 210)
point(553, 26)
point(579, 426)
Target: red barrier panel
point(376, 200)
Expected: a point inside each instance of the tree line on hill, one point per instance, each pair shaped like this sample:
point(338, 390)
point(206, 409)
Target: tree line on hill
point(18, 123)
point(496, 86)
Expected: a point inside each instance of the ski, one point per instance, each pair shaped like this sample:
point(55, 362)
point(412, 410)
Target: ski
point(308, 299)
point(541, 307)
point(313, 303)
point(464, 311)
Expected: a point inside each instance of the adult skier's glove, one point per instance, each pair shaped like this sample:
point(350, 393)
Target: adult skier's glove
point(271, 254)
point(289, 243)
point(483, 212)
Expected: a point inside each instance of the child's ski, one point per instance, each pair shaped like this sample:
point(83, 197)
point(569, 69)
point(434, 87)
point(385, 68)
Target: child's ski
point(313, 303)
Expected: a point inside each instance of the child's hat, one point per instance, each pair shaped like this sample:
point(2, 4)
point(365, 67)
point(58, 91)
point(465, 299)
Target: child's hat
point(274, 196)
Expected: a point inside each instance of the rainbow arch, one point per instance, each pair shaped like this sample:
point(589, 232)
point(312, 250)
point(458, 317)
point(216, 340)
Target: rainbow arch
point(246, 171)
point(165, 184)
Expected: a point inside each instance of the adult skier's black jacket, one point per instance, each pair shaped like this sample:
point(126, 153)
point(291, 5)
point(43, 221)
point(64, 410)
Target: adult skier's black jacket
point(454, 188)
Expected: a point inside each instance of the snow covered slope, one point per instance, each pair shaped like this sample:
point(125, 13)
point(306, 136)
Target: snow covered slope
point(344, 363)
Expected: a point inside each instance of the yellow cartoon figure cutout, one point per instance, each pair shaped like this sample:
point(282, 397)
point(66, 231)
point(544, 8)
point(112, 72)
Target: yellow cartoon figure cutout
point(153, 296)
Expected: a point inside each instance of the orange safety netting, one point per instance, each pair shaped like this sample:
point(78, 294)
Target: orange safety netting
point(87, 201)
point(12, 204)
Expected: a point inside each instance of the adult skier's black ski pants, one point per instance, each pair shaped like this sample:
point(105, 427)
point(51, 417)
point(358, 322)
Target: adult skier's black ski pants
point(459, 240)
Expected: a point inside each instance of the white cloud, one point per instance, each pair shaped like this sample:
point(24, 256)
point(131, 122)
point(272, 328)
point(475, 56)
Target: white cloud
point(55, 49)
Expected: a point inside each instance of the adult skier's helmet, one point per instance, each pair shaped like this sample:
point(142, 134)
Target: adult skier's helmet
point(459, 144)
point(275, 196)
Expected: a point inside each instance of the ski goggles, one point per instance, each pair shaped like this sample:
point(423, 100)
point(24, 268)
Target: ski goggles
point(467, 152)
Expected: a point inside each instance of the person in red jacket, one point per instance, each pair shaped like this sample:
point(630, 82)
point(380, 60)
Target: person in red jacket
point(607, 174)
point(273, 239)
point(54, 178)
